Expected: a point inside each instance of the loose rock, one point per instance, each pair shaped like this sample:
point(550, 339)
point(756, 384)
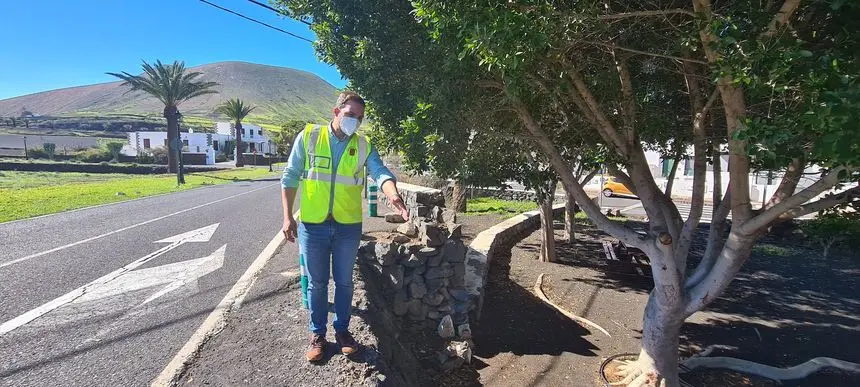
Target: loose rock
point(446, 327)
point(394, 218)
point(417, 289)
point(408, 229)
point(454, 251)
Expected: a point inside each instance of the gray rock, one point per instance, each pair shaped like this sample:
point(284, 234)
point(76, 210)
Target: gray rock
point(420, 270)
point(427, 252)
point(443, 271)
point(401, 305)
point(403, 250)
point(433, 299)
point(436, 215)
point(417, 289)
point(435, 260)
point(464, 332)
point(453, 363)
point(395, 276)
point(414, 261)
point(459, 294)
point(366, 248)
point(408, 229)
point(398, 238)
point(394, 218)
point(434, 315)
point(446, 327)
point(422, 210)
point(386, 254)
point(459, 277)
point(449, 216)
point(461, 349)
point(454, 251)
point(417, 310)
point(445, 308)
point(432, 235)
point(434, 284)
point(455, 230)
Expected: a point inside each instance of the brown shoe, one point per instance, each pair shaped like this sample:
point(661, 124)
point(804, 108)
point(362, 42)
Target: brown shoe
point(348, 345)
point(316, 350)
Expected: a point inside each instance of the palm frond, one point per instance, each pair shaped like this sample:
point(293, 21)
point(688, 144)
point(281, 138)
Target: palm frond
point(235, 109)
point(169, 83)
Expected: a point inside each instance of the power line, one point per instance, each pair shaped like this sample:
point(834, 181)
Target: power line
point(266, 6)
point(258, 22)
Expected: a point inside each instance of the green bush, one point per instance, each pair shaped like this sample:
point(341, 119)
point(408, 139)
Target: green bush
point(114, 148)
point(50, 149)
point(220, 158)
point(831, 228)
point(93, 155)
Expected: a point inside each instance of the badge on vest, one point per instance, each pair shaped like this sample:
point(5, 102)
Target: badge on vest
point(352, 151)
point(320, 161)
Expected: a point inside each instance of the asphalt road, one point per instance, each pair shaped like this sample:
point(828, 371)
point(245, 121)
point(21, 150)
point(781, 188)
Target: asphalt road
point(123, 327)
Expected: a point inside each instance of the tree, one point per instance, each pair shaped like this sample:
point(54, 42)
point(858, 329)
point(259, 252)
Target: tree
point(785, 98)
point(236, 110)
point(49, 148)
point(114, 148)
point(171, 84)
point(285, 137)
point(786, 93)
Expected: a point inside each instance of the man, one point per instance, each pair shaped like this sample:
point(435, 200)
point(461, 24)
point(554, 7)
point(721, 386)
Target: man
point(329, 164)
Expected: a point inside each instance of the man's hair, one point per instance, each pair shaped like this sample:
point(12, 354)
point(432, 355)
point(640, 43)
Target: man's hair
point(347, 96)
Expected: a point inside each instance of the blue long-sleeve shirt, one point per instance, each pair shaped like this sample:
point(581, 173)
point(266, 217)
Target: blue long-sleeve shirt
point(296, 163)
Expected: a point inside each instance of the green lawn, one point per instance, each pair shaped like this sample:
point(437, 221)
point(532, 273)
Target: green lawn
point(507, 208)
point(27, 194)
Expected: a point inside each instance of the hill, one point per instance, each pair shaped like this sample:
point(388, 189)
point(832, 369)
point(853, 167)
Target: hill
point(280, 93)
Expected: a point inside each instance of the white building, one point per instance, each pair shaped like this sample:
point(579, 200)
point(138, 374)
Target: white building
point(211, 144)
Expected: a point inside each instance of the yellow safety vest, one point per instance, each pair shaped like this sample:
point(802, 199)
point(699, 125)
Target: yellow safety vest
point(319, 180)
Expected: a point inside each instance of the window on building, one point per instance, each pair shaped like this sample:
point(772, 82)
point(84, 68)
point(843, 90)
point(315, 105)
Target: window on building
point(165, 143)
point(260, 132)
point(252, 133)
point(668, 165)
point(243, 131)
point(688, 167)
point(253, 146)
point(146, 144)
point(215, 145)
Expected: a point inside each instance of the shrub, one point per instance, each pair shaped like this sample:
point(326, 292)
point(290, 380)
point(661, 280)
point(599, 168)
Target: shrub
point(220, 158)
point(114, 147)
point(830, 228)
point(37, 154)
point(49, 149)
point(93, 155)
point(159, 155)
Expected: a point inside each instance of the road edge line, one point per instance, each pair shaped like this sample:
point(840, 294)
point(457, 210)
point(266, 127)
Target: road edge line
point(216, 320)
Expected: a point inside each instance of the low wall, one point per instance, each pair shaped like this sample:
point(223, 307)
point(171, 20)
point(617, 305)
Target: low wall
point(94, 168)
point(488, 243)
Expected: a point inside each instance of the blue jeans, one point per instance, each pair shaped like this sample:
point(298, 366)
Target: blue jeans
point(329, 247)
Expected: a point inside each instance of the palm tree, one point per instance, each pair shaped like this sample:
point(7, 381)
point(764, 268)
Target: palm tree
point(172, 85)
point(237, 111)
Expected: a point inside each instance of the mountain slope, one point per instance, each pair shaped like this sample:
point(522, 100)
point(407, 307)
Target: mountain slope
point(280, 93)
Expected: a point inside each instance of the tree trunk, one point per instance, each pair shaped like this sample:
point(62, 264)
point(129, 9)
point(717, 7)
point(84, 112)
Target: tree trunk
point(239, 149)
point(458, 195)
point(670, 180)
point(569, 217)
point(658, 359)
point(547, 233)
point(170, 113)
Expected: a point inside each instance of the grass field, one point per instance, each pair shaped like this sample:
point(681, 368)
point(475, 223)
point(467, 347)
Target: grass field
point(28, 194)
point(507, 208)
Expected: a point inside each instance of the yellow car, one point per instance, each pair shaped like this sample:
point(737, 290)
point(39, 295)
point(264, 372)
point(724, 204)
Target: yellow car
point(613, 187)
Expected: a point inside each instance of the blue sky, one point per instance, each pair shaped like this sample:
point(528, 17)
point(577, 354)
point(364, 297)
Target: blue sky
point(50, 44)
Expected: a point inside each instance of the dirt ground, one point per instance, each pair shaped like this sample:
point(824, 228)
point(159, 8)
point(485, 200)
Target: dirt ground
point(788, 305)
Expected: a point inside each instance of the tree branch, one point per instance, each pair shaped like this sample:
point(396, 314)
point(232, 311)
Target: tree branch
point(731, 258)
point(767, 216)
point(715, 242)
point(635, 51)
point(628, 104)
point(623, 233)
point(822, 204)
point(661, 12)
point(604, 126)
point(789, 182)
point(781, 18)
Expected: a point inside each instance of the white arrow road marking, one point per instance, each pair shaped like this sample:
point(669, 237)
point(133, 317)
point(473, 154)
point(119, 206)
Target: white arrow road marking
point(175, 275)
point(199, 235)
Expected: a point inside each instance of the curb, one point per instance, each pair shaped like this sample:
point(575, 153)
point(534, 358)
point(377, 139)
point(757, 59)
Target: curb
point(216, 320)
point(483, 247)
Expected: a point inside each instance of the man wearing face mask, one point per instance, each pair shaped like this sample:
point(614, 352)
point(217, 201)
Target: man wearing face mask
point(329, 162)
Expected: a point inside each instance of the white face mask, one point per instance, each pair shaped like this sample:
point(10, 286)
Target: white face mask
point(349, 125)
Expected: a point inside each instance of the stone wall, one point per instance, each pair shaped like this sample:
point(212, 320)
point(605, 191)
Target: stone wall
point(421, 270)
point(488, 243)
point(504, 194)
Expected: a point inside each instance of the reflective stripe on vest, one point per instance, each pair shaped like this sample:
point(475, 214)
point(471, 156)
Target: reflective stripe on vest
point(320, 182)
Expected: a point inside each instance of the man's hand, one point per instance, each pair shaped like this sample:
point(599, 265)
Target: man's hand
point(289, 229)
point(398, 205)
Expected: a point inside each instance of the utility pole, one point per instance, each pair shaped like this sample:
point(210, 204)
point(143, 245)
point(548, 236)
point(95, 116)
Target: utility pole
point(180, 178)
